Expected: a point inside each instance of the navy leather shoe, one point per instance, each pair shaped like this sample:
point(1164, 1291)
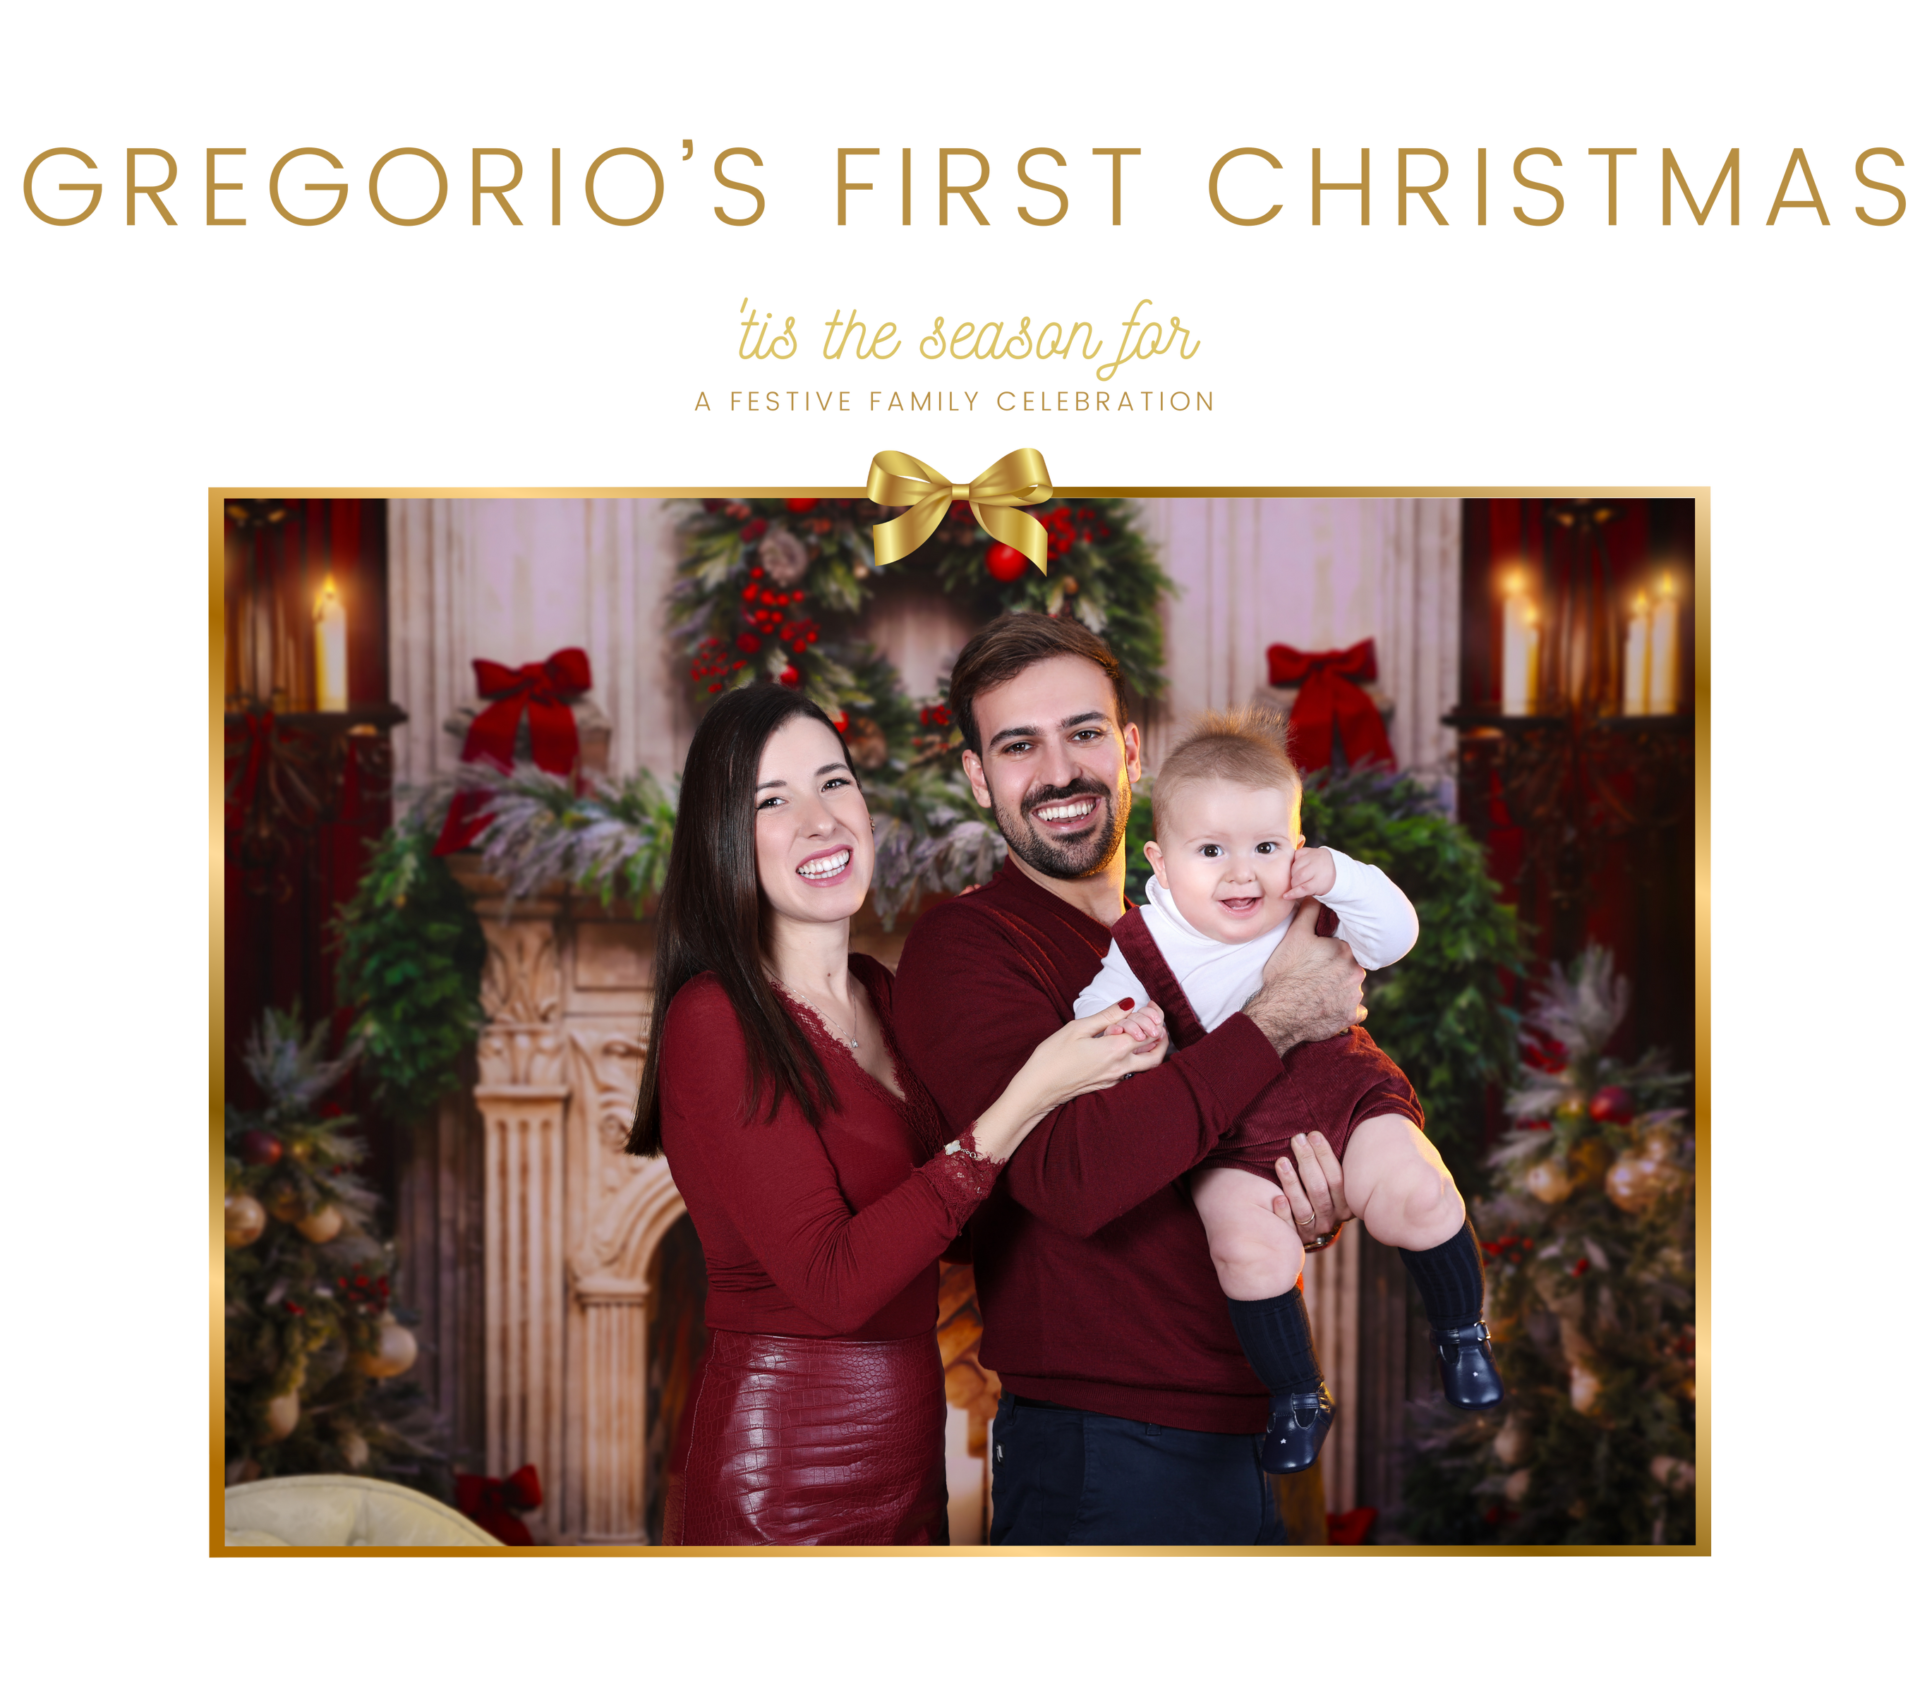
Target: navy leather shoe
point(1467, 1370)
point(1296, 1425)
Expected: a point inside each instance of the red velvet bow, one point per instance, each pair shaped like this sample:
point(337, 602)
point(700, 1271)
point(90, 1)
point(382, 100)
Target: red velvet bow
point(492, 1503)
point(532, 691)
point(1329, 694)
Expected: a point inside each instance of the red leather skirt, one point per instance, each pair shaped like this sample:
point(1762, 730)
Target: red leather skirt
point(799, 1442)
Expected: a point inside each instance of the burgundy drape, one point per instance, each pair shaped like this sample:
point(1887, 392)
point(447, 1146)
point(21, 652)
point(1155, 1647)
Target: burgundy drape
point(1636, 897)
point(279, 948)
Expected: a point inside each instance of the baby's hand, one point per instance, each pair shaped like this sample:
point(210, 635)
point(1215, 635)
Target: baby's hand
point(1144, 1027)
point(1312, 873)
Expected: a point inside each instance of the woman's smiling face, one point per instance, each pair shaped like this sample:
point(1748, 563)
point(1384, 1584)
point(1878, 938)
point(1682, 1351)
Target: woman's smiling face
point(812, 835)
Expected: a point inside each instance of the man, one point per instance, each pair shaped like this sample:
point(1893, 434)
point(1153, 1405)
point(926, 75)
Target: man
point(1129, 1414)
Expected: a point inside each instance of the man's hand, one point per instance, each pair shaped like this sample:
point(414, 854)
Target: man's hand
point(1314, 1198)
point(1310, 988)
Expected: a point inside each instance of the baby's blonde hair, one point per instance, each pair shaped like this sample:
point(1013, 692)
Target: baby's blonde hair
point(1247, 746)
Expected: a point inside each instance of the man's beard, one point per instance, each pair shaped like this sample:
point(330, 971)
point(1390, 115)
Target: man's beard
point(1066, 859)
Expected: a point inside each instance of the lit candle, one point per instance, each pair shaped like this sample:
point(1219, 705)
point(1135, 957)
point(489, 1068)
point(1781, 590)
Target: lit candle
point(329, 650)
point(1519, 650)
point(1634, 683)
point(1663, 685)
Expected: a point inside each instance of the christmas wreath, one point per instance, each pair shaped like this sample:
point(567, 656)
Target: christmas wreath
point(772, 590)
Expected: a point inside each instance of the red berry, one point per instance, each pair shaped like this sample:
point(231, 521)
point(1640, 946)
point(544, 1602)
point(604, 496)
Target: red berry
point(801, 506)
point(790, 678)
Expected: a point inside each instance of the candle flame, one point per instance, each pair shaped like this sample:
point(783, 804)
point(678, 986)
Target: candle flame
point(1667, 589)
point(328, 593)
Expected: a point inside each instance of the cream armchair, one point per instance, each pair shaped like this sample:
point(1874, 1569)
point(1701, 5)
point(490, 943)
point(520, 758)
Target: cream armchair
point(343, 1510)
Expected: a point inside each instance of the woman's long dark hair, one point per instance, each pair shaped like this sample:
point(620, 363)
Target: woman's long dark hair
point(712, 916)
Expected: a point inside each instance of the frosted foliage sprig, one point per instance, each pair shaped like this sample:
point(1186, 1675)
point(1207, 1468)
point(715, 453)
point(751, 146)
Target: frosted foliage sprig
point(288, 1065)
point(610, 838)
point(1580, 1008)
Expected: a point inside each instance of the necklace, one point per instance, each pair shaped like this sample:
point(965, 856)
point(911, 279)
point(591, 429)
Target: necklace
point(840, 1034)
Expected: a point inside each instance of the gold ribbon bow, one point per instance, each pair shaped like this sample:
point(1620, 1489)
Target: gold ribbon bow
point(1019, 479)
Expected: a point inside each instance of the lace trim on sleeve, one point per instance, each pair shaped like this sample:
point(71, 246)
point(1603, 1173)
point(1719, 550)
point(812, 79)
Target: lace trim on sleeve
point(963, 1174)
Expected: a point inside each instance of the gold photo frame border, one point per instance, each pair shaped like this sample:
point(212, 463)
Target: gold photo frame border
point(217, 498)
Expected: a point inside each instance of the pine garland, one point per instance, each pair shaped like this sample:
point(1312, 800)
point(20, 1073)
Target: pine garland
point(411, 953)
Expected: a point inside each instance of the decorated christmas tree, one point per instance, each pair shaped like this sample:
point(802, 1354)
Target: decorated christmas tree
point(312, 1338)
point(1588, 1239)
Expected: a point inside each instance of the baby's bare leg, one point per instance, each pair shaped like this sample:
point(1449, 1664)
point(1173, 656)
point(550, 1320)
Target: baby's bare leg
point(1255, 1254)
point(1398, 1186)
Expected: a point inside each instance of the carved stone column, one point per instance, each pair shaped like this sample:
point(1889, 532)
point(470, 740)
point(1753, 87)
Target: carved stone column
point(610, 1289)
point(522, 1096)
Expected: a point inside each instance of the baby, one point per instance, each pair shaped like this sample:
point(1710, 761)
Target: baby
point(1230, 871)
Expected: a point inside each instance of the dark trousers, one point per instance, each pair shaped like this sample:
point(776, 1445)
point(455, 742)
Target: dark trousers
point(1076, 1478)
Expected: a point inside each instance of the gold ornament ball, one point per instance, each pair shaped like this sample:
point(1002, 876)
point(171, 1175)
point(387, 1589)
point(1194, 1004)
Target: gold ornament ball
point(1516, 1485)
point(1549, 1181)
point(1584, 1389)
point(1634, 1183)
point(322, 1225)
point(245, 1218)
point(354, 1448)
point(285, 1205)
point(393, 1353)
point(283, 1415)
point(1587, 1162)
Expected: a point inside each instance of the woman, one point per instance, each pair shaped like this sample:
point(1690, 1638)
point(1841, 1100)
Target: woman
point(807, 1153)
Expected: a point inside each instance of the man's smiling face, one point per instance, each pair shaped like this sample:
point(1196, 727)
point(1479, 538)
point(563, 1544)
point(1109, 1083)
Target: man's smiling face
point(1055, 767)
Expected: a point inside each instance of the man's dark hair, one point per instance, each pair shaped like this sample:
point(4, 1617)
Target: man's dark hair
point(1016, 641)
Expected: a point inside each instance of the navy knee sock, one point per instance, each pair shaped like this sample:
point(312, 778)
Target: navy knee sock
point(1449, 1279)
point(1278, 1341)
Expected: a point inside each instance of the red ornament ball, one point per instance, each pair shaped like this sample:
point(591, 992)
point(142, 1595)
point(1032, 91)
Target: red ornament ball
point(789, 678)
point(1611, 1105)
point(801, 507)
point(259, 1147)
point(1005, 563)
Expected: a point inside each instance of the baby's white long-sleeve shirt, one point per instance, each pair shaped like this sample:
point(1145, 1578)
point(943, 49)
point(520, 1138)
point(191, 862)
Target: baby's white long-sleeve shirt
point(1218, 977)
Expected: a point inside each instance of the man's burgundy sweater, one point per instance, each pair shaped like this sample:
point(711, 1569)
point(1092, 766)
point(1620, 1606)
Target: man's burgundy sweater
point(1095, 1283)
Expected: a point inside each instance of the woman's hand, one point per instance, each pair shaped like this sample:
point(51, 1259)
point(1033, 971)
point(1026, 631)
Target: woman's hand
point(1093, 1053)
point(1083, 1056)
point(1314, 1197)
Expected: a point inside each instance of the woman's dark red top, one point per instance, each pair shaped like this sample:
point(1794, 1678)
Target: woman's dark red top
point(831, 1231)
